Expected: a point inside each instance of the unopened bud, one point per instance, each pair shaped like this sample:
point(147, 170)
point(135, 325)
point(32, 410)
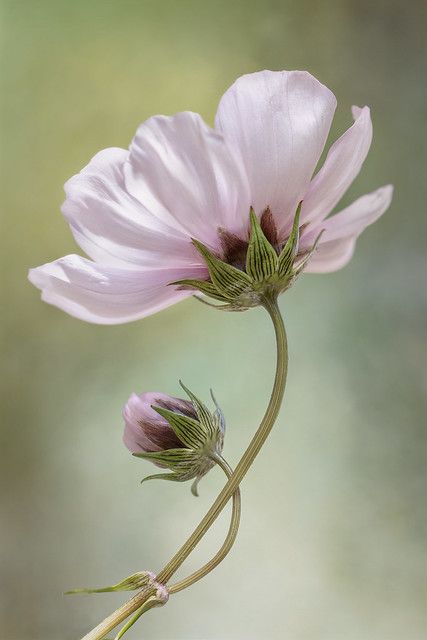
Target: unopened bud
point(182, 436)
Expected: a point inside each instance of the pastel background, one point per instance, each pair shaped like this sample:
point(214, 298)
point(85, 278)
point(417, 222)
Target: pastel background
point(333, 537)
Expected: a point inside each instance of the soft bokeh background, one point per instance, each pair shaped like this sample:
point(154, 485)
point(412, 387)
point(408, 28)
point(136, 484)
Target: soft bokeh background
point(333, 537)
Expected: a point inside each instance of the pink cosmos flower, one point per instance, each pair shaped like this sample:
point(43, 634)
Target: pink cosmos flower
point(135, 212)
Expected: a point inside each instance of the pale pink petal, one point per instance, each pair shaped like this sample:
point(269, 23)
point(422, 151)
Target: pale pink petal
point(331, 256)
point(138, 407)
point(145, 429)
point(114, 228)
point(352, 220)
point(137, 411)
point(279, 122)
point(340, 231)
point(134, 436)
point(342, 165)
point(106, 294)
point(187, 177)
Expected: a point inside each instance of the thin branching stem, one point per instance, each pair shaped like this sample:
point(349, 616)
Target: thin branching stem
point(228, 542)
point(240, 471)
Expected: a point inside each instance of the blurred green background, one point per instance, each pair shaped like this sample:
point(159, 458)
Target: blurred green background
point(333, 537)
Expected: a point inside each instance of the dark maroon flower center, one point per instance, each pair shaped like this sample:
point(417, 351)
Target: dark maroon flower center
point(234, 249)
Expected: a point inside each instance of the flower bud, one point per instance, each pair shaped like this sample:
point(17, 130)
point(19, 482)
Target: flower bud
point(182, 436)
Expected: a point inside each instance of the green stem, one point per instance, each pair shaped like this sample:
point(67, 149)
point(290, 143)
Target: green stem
point(250, 453)
point(228, 542)
point(245, 462)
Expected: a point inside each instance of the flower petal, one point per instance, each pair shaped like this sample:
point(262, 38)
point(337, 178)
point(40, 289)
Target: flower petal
point(331, 256)
point(279, 122)
point(106, 294)
point(114, 228)
point(145, 429)
point(134, 436)
point(354, 219)
point(340, 231)
point(186, 176)
point(342, 164)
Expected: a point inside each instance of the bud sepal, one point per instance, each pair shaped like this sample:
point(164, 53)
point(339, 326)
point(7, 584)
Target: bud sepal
point(182, 436)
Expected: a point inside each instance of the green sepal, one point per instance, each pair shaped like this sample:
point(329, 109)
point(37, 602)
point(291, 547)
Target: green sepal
point(218, 415)
point(180, 460)
point(189, 431)
point(205, 287)
point(221, 307)
point(194, 487)
point(261, 257)
point(173, 477)
point(202, 411)
point(131, 583)
point(229, 281)
point(290, 250)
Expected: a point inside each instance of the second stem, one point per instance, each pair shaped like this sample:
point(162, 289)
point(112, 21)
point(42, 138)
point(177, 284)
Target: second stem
point(240, 471)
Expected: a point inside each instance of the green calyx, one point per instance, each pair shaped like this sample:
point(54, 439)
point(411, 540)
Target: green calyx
point(267, 272)
point(202, 438)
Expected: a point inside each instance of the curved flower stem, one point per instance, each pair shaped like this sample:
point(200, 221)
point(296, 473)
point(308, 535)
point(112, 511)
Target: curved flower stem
point(241, 469)
point(228, 542)
point(250, 453)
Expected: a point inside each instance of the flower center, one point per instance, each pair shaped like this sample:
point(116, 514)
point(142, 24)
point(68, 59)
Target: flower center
point(234, 249)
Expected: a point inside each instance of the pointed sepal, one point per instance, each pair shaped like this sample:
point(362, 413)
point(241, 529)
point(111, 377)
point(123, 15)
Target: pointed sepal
point(205, 287)
point(202, 411)
point(218, 415)
point(172, 477)
point(131, 583)
point(229, 281)
point(191, 432)
point(181, 461)
point(221, 307)
point(290, 250)
point(261, 257)
point(195, 487)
